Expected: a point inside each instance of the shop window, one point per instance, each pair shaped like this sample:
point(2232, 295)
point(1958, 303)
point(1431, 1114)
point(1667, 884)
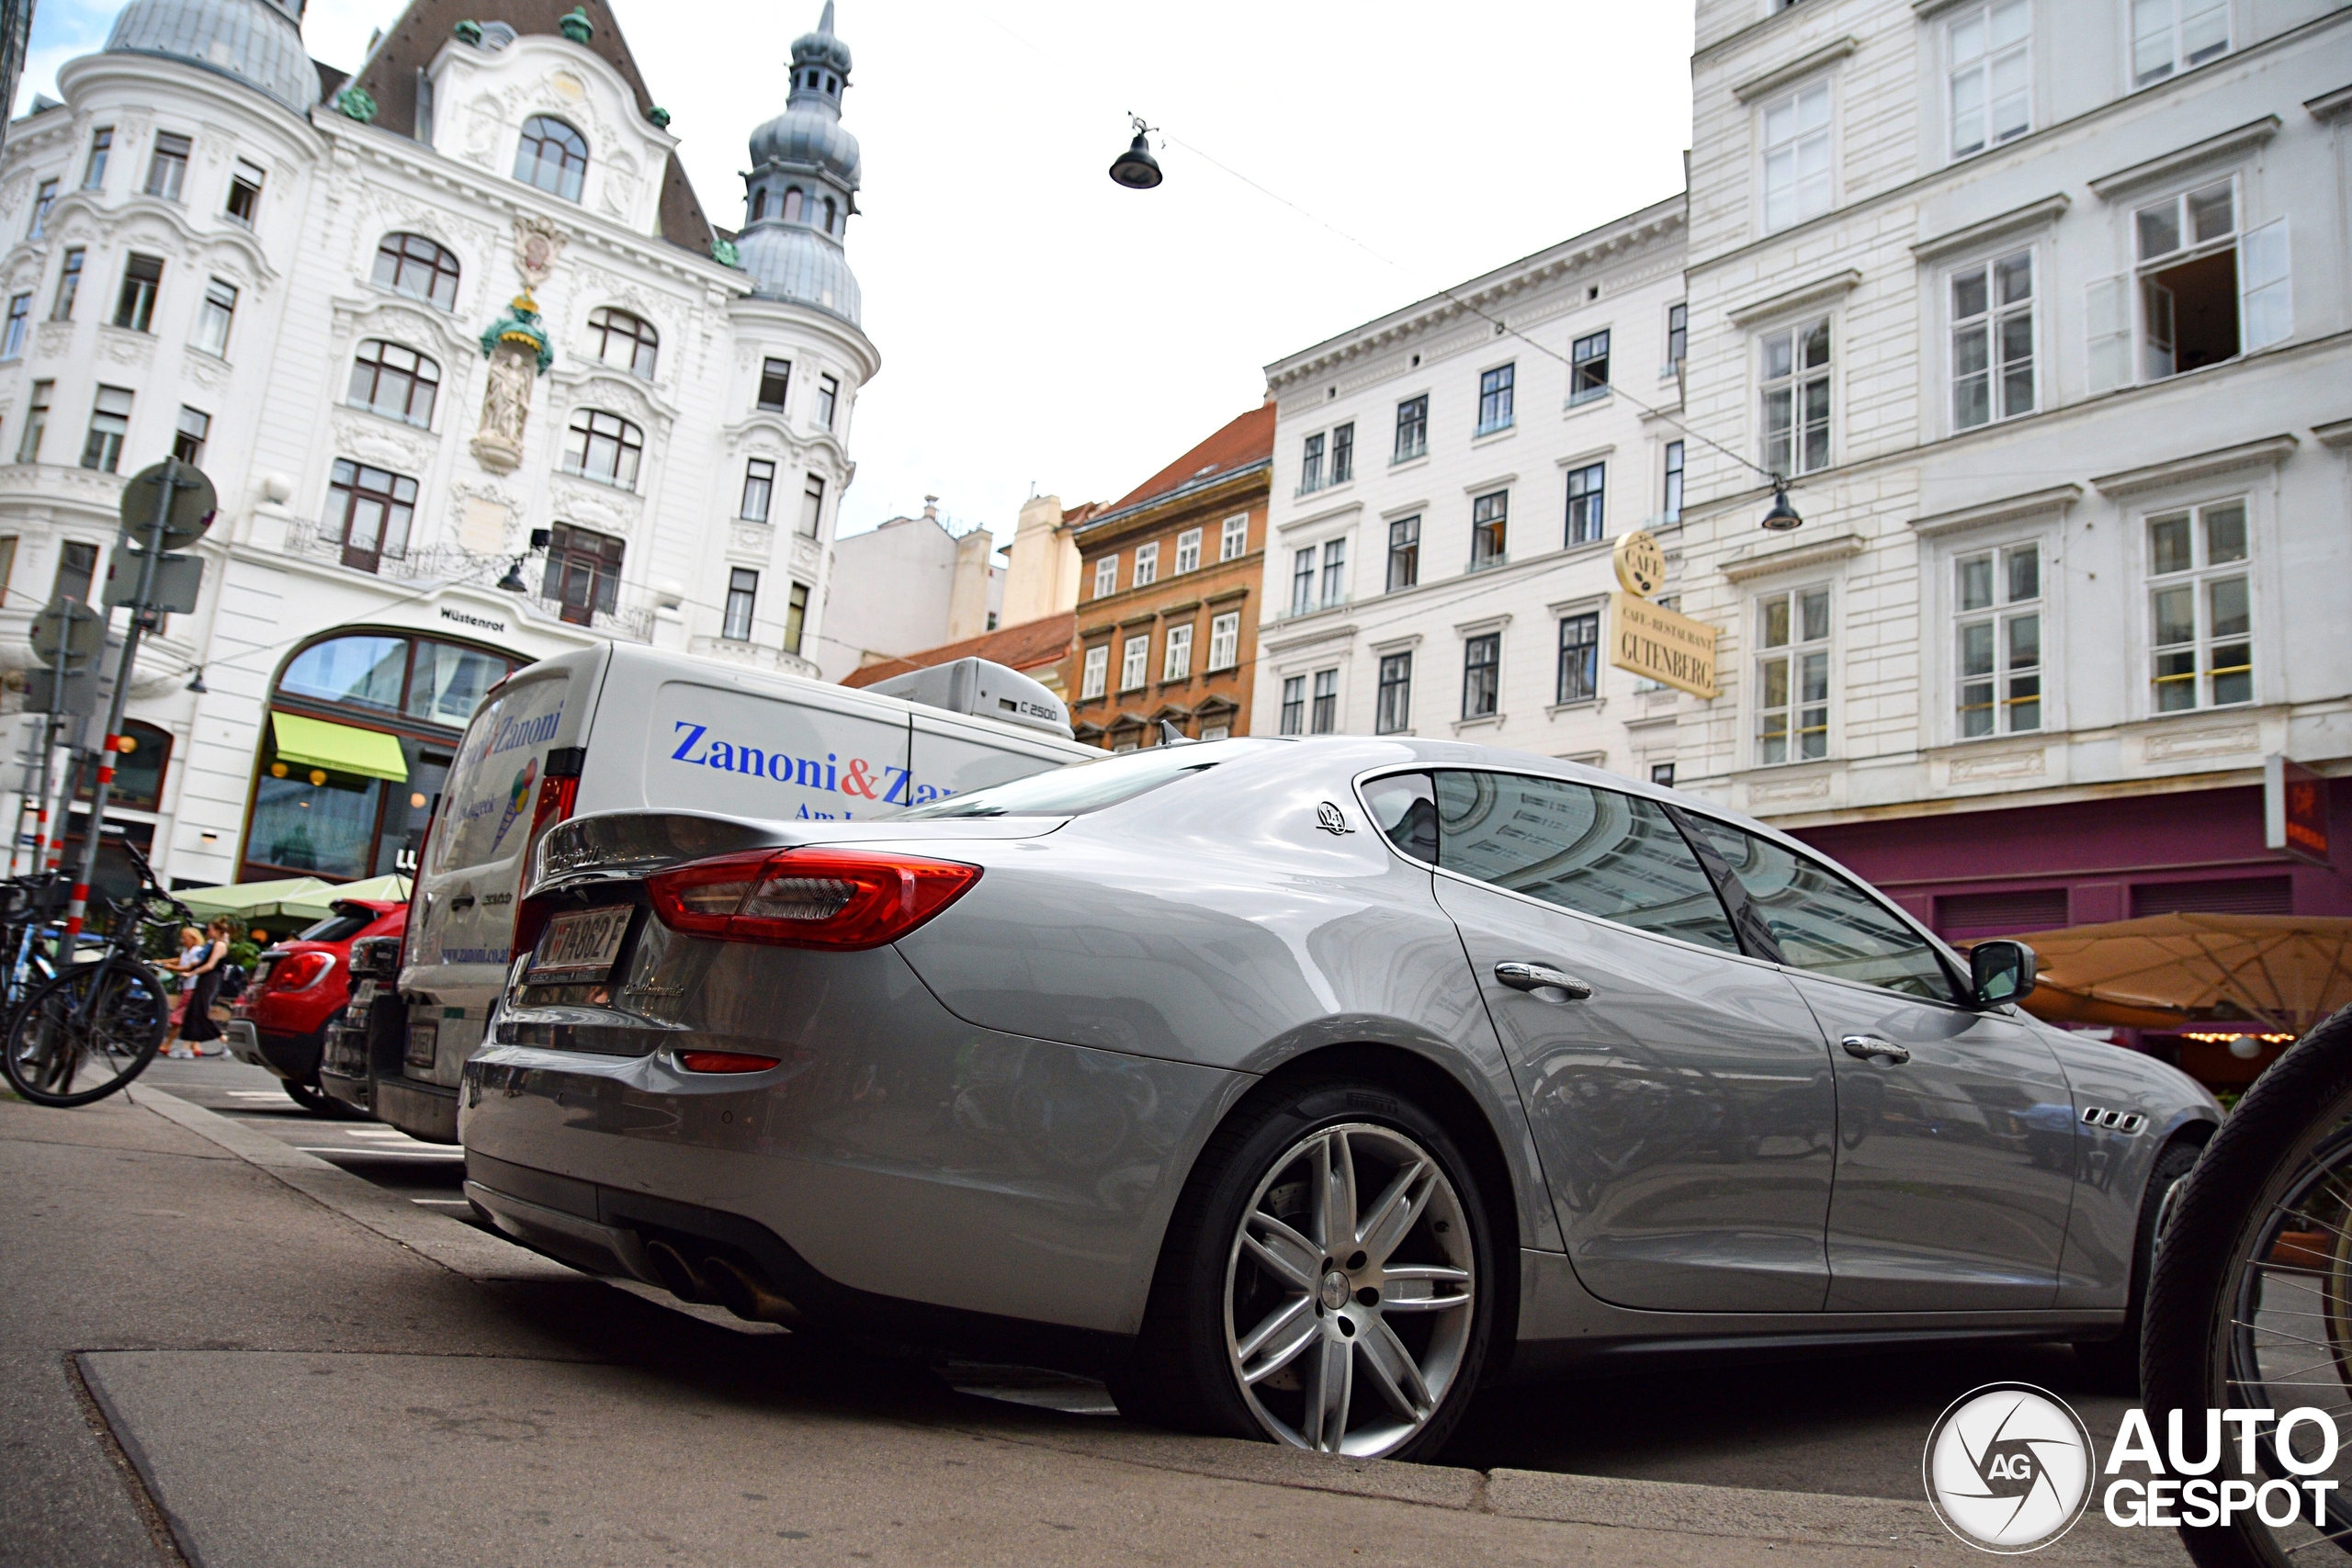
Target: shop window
point(1967, 917)
point(141, 757)
point(358, 671)
point(583, 573)
point(2226, 895)
point(447, 681)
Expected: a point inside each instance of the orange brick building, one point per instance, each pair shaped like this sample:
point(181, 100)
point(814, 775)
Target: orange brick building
point(1168, 583)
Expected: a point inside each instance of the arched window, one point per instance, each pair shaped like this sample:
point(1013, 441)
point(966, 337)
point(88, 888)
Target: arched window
point(624, 340)
point(551, 156)
point(792, 205)
point(759, 205)
point(604, 447)
point(394, 380)
point(828, 215)
point(415, 265)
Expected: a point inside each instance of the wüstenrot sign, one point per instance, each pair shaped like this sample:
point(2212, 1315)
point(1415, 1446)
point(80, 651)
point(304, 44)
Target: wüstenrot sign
point(1659, 643)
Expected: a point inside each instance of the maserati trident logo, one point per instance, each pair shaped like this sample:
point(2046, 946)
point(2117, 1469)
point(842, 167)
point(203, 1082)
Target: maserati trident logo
point(2008, 1468)
point(1329, 817)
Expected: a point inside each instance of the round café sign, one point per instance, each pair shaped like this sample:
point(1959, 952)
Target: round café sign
point(1641, 565)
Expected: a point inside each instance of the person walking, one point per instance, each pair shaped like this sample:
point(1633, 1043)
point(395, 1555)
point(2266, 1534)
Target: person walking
point(195, 1027)
point(180, 967)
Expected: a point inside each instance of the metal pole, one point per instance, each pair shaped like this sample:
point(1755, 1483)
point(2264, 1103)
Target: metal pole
point(140, 613)
point(35, 799)
point(55, 817)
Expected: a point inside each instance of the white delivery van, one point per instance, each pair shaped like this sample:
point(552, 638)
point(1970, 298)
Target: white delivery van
point(623, 727)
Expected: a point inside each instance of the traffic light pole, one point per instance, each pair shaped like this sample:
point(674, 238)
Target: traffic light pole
point(141, 611)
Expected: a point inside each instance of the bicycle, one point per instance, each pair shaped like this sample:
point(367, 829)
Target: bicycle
point(2249, 1307)
point(89, 1030)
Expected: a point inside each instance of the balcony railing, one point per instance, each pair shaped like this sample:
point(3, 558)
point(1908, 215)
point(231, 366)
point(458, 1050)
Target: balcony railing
point(454, 563)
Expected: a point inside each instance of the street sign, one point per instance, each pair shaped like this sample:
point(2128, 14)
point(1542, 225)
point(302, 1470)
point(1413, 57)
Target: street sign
point(1641, 565)
point(67, 631)
point(193, 504)
point(2294, 811)
point(1662, 645)
point(73, 691)
point(178, 580)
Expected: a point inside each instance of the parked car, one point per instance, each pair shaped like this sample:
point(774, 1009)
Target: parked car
point(375, 966)
point(299, 990)
point(1298, 1086)
point(621, 726)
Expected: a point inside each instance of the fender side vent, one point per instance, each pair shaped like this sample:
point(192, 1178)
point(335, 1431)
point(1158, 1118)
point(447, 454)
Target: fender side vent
point(2124, 1121)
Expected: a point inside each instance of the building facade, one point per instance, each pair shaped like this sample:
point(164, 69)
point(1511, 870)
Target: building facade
point(1447, 483)
point(1171, 582)
point(2043, 310)
point(458, 320)
point(911, 584)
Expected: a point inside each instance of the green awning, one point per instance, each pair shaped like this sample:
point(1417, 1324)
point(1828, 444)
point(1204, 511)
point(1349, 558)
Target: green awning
point(314, 742)
point(321, 904)
point(250, 900)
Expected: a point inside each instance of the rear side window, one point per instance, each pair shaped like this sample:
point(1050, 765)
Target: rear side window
point(1823, 923)
point(1616, 857)
point(496, 775)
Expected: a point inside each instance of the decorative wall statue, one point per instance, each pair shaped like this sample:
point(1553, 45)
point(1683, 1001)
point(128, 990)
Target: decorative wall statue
point(518, 351)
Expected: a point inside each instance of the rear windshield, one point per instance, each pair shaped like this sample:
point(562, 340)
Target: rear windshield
point(1090, 786)
point(337, 928)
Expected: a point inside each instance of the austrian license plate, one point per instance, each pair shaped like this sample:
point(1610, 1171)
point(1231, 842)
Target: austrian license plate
point(424, 1041)
point(581, 946)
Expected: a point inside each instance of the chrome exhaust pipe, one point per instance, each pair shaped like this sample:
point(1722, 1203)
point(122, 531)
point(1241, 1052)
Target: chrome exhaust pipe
point(678, 1276)
point(735, 1289)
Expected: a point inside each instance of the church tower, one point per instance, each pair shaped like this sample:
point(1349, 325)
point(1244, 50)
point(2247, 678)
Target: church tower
point(802, 190)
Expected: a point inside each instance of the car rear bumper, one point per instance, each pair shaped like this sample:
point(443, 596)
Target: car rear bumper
point(424, 1111)
point(294, 1057)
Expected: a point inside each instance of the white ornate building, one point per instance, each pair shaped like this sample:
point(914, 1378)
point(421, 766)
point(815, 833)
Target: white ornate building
point(459, 319)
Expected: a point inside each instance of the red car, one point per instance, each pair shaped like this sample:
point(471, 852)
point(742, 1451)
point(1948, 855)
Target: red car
point(298, 990)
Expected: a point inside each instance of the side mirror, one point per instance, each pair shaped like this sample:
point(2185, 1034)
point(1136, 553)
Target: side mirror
point(2001, 971)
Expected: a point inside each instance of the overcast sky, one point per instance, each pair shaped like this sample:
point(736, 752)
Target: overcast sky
point(1041, 326)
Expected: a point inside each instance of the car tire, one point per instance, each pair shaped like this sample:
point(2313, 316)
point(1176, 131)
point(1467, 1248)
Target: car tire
point(2113, 1365)
point(1327, 1280)
point(315, 1100)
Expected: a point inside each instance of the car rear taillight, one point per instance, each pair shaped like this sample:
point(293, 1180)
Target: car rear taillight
point(558, 793)
point(843, 899)
point(301, 971)
point(724, 1062)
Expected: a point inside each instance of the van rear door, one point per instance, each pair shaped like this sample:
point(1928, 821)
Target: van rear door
point(951, 755)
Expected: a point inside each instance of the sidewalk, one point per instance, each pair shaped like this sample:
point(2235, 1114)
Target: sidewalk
point(221, 1350)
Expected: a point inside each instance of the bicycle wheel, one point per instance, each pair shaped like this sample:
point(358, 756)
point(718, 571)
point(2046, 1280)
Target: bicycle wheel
point(2250, 1307)
point(85, 1033)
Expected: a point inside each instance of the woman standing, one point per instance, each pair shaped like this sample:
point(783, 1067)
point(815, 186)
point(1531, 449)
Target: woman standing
point(203, 986)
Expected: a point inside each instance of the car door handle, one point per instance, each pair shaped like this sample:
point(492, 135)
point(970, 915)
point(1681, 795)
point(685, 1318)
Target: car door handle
point(1542, 977)
point(462, 901)
point(1868, 1046)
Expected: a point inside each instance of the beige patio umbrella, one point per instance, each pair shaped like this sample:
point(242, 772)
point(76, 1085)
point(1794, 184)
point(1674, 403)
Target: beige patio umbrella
point(2284, 972)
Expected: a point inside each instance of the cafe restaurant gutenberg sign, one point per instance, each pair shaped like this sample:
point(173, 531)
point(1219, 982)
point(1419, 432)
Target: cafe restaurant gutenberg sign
point(1648, 638)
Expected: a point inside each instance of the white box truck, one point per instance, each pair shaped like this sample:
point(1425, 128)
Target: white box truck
point(623, 727)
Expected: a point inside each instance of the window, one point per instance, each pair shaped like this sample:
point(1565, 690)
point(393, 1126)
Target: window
point(796, 616)
point(1482, 659)
point(244, 193)
point(445, 683)
point(167, 169)
point(369, 514)
point(812, 506)
point(7, 564)
point(1335, 572)
point(1188, 552)
point(1489, 528)
point(2201, 618)
point(624, 340)
point(1586, 496)
point(1176, 660)
point(1678, 336)
point(1225, 641)
point(1999, 595)
point(1614, 857)
point(1394, 712)
point(1404, 553)
point(1580, 679)
point(759, 487)
point(1796, 399)
point(1991, 341)
point(828, 397)
point(1824, 923)
point(36, 422)
point(1310, 465)
point(583, 574)
point(1098, 672)
point(831, 211)
point(2168, 36)
point(188, 436)
point(109, 423)
point(1672, 509)
point(1494, 398)
point(77, 570)
point(142, 280)
point(1106, 575)
point(775, 380)
point(1323, 718)
point(792, 202)
point(1662, 774)
point(415, 265)
point(2207, 293)
point(1302, 581)
point(394, 380)
point(1133, 656)
point(1797, 157)
point(1343, 454)
point(69, 286)
point(1294, 705)
point(1233, 541)
point(551, 156)
point(12, 338)
point(1146, 565)
point(1588, 368)
point(1412, 428)
point(1792, 676)
point(604, 447)
point(742, 591)
point(44, 200)
point(1217, 731)
point(1991, 101)
point(93, 173)
point(215, 316)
